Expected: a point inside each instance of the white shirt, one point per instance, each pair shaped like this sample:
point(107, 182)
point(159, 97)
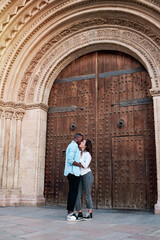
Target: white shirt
point(85, 160)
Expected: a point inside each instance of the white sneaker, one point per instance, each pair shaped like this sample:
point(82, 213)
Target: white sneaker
point(71, 217)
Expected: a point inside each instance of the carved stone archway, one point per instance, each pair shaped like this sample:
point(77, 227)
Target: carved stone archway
point(57, 62)
point(40, 38)
point(42, 67)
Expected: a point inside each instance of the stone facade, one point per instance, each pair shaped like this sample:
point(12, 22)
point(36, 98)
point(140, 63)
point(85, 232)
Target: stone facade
point(38, 39)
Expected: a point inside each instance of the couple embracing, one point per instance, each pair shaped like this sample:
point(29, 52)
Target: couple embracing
point(80, 177)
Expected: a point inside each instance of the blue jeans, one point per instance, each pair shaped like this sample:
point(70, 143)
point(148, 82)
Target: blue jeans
point(86, 182)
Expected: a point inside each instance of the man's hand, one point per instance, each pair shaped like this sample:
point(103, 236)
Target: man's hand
point(77, 164)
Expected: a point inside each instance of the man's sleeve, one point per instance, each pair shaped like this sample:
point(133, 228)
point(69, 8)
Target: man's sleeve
point(71, 154)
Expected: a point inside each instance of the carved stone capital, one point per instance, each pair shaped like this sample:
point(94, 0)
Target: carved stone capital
point(1, 111)
point(9, 114)
point(19, 115)
point(155, 92)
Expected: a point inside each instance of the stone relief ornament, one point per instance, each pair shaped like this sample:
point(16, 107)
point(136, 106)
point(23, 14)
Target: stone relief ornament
point(114, 33)
point(1, 111)
point(9, 114)
point(15, 108)
point(155, 92)
point(88, 23)
point(19, 115)
point(130, 38)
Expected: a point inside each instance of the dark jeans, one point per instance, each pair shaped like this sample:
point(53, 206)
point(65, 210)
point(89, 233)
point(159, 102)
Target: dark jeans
point(73, 191)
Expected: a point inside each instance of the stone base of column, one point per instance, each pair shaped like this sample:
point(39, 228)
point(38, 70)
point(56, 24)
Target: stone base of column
point(10, 197)
point(157, 208)
point(32, 200)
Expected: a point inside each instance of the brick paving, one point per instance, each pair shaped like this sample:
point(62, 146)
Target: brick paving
point(49, 223)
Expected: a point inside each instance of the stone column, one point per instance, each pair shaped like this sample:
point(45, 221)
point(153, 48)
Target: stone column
point(19, 117)
point(8, 117)
point(32, 157)
point(1, 144)
point(156, 102)
point(10, 192)
point(4, 190)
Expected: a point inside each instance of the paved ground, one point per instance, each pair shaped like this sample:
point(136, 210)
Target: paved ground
point(49, 223)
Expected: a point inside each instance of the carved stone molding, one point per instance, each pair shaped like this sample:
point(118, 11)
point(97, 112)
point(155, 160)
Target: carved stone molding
point(155, 92)
point(4, 5)
point(120, 35)
point(24, 19)
point(155, 2)
point(35, 8)
point(42, 106)
point(12, 105)
point(95, 38)
point(148, 31)
point(20, 108)
point(41, 4)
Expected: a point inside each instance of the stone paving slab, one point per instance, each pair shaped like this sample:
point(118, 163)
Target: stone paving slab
point(49, 223)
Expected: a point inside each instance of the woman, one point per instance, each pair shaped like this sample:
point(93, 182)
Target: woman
point(86, 180)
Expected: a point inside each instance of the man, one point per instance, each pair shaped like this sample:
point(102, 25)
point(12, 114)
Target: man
point(72, 171)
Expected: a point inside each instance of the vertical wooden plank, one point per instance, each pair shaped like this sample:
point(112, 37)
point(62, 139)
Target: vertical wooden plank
point(129, 178)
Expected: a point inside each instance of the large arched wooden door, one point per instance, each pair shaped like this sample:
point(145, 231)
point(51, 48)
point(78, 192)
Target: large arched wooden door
point(105, 96)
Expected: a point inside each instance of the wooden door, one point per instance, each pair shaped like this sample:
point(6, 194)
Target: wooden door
point(105, 96)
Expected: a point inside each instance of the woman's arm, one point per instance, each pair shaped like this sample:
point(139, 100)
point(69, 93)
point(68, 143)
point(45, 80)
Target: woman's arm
point(77, 164)
point(85, 160)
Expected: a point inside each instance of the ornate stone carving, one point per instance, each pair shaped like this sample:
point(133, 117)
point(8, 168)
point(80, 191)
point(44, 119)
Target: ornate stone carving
point(1, 111)
point(102, 21)
point(15, 10)
point(76, 27)
point(42, 4)
point(37, 106)
point(19, 115)
point(36, 6)
point(12, 105)
point(155, 2)
point(5, 5)
point(155, 92)
point(9, 114)
point(21, 107)
point(130, 38)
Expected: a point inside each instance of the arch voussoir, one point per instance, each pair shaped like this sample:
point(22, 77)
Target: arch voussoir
point(107, 38)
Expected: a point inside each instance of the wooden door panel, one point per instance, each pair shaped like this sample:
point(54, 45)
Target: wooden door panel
point(104, 171)
point(129, 179)
point(71, 101)
point(121, 102)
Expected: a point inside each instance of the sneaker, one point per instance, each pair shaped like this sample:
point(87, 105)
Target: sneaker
point(72, 217)
point(88, 216)
point(80, 216)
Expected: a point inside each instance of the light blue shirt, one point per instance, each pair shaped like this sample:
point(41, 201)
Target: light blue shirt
point(72, 154)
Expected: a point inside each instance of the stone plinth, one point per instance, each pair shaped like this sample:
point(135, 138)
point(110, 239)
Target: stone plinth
point(10, 197)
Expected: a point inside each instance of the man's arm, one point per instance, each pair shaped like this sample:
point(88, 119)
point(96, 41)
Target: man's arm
point(70, 157)
point(77, 164)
